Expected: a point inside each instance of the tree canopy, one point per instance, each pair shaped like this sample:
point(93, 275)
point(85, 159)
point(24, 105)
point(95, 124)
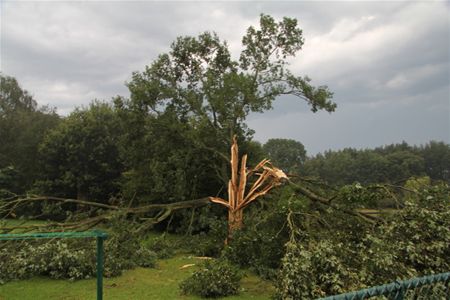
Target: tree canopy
point(80, 158)
point(13, 97)
point(198, 95)
point(22, 127)
point(200, 81)
point(287, 154)
point(391, 163)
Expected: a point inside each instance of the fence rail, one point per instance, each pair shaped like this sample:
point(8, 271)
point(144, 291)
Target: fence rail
point(438, 288)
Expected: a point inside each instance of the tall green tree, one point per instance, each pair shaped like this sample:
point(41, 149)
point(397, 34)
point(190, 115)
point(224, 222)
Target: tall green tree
point(22, 127)
point(199, 80)
point(286, 154)
point(13, 97)
point(391, 163)
point(163, 163)
point(404, 164)
point(80, 158)
point(437, 160)
point(209, 93)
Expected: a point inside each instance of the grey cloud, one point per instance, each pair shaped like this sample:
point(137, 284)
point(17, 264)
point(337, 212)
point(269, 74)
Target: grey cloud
point(386, 62)
point(361, 125)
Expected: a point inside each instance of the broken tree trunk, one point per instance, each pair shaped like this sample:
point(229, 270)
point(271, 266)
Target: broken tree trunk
point(268, 177)
point(235, 221)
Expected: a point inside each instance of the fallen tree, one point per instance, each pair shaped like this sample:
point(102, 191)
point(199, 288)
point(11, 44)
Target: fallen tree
point(239, 197)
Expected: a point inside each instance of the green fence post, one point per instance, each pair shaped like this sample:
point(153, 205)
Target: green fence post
point(100, 267)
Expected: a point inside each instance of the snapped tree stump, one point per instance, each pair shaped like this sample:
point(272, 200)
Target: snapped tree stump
point(239, 197)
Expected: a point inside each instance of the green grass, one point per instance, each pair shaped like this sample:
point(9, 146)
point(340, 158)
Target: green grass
point(159, 283)
point(141, 283)
point(19, 222)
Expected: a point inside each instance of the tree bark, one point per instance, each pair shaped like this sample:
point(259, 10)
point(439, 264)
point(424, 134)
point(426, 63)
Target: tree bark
point(235, 222)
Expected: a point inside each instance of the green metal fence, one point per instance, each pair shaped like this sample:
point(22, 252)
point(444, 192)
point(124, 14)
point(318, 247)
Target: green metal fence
point(433, 287)
point(99, 235)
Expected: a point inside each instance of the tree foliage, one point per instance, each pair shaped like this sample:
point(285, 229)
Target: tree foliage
point(162, 161)
point(13, 97)
point(80, 158)
point(437, 160)
point(22, 127)
point(201, 81)
point(192, 100)
point(214, 279)
point(392, 163)
point(286, 154)
point(349, 255)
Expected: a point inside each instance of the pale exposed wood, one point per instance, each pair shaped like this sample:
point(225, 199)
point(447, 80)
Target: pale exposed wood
point(268, 178)
point(186, 266)
point(242, 178)
point(220, 201)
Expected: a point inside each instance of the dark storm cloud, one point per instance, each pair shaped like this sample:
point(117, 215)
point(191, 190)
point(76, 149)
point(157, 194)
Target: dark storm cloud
point(363, 125)
point(389, 71)
point(386, 62)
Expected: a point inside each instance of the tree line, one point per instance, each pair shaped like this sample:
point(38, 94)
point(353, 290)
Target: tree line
point(106, 149)
point(394, 163)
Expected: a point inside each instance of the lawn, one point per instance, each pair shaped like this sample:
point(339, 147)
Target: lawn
point(141, 283)
point(19, 222)
point(159, 283)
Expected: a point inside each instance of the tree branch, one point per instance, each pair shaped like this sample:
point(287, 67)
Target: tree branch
point(327, 201)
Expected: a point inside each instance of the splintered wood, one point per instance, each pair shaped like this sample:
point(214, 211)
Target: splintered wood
point(239, 197)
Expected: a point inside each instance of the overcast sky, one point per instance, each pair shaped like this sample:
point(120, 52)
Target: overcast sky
point(388, 63)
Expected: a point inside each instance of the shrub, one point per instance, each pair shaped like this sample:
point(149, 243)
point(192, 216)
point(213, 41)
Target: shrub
point(205, 244)
point(125, 251)
point(214, 279)
point(210, 242)
point(259, 245)
point(412, 242)
point(54, 259)
point(314, 271)
point(162, 247)
point(145, 258)
point(260, 251)
point(73, 259)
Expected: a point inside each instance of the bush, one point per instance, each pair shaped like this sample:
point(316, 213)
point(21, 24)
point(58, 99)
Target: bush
point(54, 259)
point(162, 247)
point(124, 249)
point(214, 279)
point(259, 245)
point(210, 242)
point(73, 259)
point(314, 271)
point(412, 242)
point(67, 260)
point(205, 244)
point(261, 251)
